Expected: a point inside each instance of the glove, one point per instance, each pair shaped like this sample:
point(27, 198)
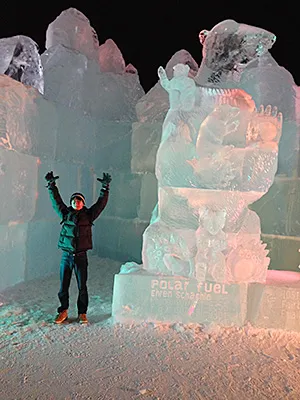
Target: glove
point(50, 178)
point(105, 180)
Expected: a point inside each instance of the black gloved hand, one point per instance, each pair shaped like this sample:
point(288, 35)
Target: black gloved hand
point(106, 179)
point(50, 178)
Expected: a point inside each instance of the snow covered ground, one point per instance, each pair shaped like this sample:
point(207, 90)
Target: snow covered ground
point(103, 360)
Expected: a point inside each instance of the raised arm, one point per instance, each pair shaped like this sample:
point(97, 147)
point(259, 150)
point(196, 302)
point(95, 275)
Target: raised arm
point(96, 209)
point(56, 200)
point(164, 81)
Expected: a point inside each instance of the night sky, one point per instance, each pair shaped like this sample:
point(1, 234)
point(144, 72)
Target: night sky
point(149, 33)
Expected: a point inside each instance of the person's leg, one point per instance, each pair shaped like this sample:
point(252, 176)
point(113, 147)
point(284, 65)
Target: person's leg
point(81, 264)
point(66, 267)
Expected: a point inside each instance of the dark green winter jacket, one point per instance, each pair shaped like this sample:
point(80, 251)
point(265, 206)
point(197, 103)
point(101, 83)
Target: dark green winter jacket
point(76, 231)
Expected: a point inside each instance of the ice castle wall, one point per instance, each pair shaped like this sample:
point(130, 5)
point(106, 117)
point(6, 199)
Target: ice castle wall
point(80, 128)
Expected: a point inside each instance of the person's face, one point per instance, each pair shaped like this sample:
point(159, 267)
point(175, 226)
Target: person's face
point(77, 203)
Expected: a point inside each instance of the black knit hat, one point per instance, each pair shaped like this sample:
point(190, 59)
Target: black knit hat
point(79, 195)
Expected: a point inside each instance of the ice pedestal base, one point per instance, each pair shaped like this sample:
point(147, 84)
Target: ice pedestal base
point(276, 304)
point(138, 298)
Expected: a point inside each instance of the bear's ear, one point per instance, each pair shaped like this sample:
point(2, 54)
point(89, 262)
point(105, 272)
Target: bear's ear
point(202, 36)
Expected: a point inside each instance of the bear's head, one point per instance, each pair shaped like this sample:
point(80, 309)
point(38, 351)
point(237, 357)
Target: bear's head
point(228, 48)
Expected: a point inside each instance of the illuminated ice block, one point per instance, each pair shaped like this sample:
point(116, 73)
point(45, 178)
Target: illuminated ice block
point(20, 59)
point(18, 187)
point(77, 82)
point(19, 117)
point(72, 29)
point(84, 75)
point(12, 265)
point(143, 297)
point(276, 304)
point(110, 58)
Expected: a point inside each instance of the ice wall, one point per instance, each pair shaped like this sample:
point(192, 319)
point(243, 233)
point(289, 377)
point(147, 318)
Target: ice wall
point(80, 127)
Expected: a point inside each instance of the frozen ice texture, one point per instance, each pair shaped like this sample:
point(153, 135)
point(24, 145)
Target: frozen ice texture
point(153, 106)
point(73, 80)
point(228, 49)
point(139, 296)
point(28, 122)
point(17, 108)
point(181, 89)
point(130, 69)
point(64, 71)
point(268, 83)
point(72, 29)
point(14, 237)
point(21, 61)
point(182, 57)
point(217, 155)
point(110, 58)
point(18, 178)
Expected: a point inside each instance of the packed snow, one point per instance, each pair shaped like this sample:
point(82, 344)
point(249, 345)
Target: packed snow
point(105, 360)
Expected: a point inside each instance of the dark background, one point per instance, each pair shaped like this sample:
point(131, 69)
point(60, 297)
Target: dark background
point(149, 32)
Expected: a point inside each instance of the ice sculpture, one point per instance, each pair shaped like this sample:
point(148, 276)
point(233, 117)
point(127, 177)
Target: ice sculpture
point(218, 154)
point(21, 61)
point(154, 105)
point(181, 89)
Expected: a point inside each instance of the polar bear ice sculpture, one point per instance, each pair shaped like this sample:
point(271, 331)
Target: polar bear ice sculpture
point(218, 154)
